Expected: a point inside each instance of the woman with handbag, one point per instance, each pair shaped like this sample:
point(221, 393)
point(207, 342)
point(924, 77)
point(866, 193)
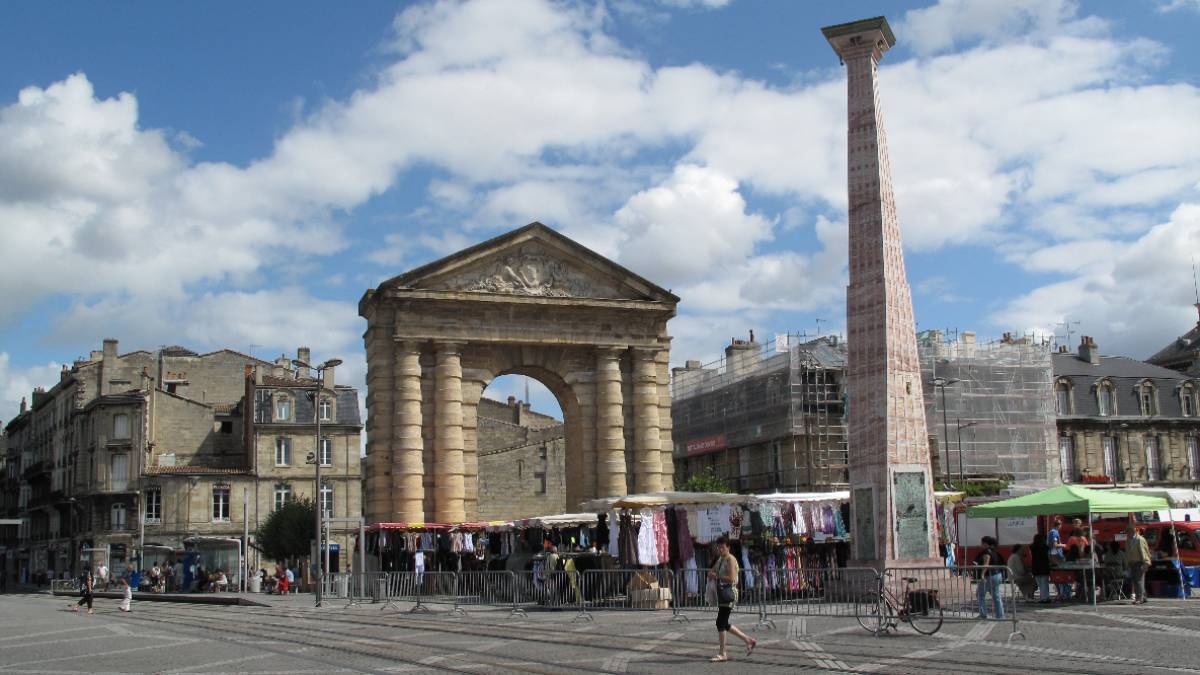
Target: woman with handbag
point(724, 575)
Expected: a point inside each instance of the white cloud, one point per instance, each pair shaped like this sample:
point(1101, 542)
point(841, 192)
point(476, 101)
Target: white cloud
point(17, 383)
point(693, 224)
point(1172, 5)
point(954, 23)
point(1137, 295)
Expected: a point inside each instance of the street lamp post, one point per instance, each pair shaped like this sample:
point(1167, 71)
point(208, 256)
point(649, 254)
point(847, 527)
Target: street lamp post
point(320, 522)
point(942, 383)
point(962, 479)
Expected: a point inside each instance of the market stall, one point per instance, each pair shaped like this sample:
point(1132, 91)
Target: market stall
point(1071, 499)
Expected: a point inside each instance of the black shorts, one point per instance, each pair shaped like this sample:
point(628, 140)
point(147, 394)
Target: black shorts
point(723, 617)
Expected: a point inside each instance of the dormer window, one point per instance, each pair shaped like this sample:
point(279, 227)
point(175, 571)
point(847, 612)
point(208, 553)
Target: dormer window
point(283, 409)
point(1063, 399)
point(1147, 398)
point(1187, 399)
point(326, 409)
point(1104, 399)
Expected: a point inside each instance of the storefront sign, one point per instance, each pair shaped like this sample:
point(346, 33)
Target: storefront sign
point(1094, 479)
point(699, 446)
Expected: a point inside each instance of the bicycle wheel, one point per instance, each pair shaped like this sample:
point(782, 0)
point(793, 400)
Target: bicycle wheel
point(927, 621)
point(873, 612)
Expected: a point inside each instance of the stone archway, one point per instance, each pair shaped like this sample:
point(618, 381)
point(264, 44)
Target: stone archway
point(528, 302)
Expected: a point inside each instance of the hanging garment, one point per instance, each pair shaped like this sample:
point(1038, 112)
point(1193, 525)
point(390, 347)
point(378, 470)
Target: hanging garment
point(771, 577)
point(585, 540)
point(693, 521)
point(602, 523)
point(538, 567)
point(672, 518)
point(661, 542)
point(827, 519)
point(792, 568)
point(691, 576)
point(756, 523)
point(747, 570)
point(629, 541)
point(684, 534)
point(839, 527)
point(419, 566)
point(647, 548)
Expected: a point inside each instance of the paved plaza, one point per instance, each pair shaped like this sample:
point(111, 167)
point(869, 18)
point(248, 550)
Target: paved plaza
point(39, 635)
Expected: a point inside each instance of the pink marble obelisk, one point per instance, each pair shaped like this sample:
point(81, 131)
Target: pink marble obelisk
point(892, 509)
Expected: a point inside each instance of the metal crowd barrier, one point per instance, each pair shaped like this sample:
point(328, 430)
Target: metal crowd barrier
point(641, 590)
point(954, 594)
point(488, 589)
point(924, 597)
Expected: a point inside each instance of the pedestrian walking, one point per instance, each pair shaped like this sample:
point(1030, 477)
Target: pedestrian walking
point(990, 578)
point(86, 585)
point(126, 595)
point(101, 576)
point(724, 577)
point(1137, 555)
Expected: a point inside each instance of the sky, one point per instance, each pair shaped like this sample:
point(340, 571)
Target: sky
point(221, 174)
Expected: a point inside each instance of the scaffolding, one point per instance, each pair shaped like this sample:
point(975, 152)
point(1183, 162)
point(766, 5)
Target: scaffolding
point(767, 416)
point(998, 417)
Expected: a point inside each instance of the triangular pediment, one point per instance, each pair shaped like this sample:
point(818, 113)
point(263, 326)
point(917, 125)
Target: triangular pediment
point(532, 261)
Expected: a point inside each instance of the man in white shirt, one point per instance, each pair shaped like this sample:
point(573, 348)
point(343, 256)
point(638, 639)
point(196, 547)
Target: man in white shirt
point(102, 575)
point(291, 579)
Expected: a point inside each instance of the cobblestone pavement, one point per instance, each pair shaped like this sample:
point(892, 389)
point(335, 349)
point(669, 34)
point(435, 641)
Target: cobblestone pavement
point(38, 634)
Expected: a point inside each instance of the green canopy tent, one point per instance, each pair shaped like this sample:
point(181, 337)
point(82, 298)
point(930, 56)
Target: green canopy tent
point(1070, 499)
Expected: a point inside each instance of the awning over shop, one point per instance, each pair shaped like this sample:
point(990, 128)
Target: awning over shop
point(653, 499)
point(1067, 499)
point(1179, 498)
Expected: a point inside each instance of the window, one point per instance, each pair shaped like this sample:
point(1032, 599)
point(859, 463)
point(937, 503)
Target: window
point(220, 504)
point(540, 482)
point(119, 479)
point(283, 495)
point(1063, 399)
point(118, 516)
point(153, 505)
point(1104, 399)
point(1193, 455)
point(283, 409)
point(1153, 468)
point(283, 451)
point(1187, 402)
point(327, 500)
point(1146, 399)
point(542, 453)
point(326, 452)
point(1111, 469)
point(121, 426)
point(1066, 456)
point(326, 410)
point(227, 427)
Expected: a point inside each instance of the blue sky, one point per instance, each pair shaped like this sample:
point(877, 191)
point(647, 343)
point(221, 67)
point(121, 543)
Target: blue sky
point(237, 174)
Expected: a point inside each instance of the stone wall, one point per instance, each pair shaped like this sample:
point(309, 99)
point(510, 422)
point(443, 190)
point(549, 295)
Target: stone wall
point(522, 460)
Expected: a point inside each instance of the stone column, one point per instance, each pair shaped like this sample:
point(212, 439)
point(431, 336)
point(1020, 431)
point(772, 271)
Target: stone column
point(449, 488)
point(665, 423)
point(408, 466)
point(610, 424)
point(380, 412)
point(647, 429)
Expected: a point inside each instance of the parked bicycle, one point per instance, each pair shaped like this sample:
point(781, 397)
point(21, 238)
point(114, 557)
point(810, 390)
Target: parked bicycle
point(883, 610)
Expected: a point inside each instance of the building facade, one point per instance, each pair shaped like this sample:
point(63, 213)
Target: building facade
point(766, 417)
point(1125, 422)
point(1183, 354)
point(522, 462)
point(154, 449)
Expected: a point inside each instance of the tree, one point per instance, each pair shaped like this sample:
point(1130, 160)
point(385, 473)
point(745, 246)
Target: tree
point(288, 532)
point(708, 481)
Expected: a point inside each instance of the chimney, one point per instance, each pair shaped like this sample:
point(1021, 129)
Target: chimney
point(64, 373)
point(110, 348)
point(327, 378)
point(303, 354)
point(95, 355)
point(24, 405)
point(512, 400)
point(282, 366)
point(1088, 351)
point(740, 355)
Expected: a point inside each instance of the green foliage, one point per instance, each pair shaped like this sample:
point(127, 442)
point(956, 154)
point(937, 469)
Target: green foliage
point(287, 533)
point(708, 481)
point(980, 488)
